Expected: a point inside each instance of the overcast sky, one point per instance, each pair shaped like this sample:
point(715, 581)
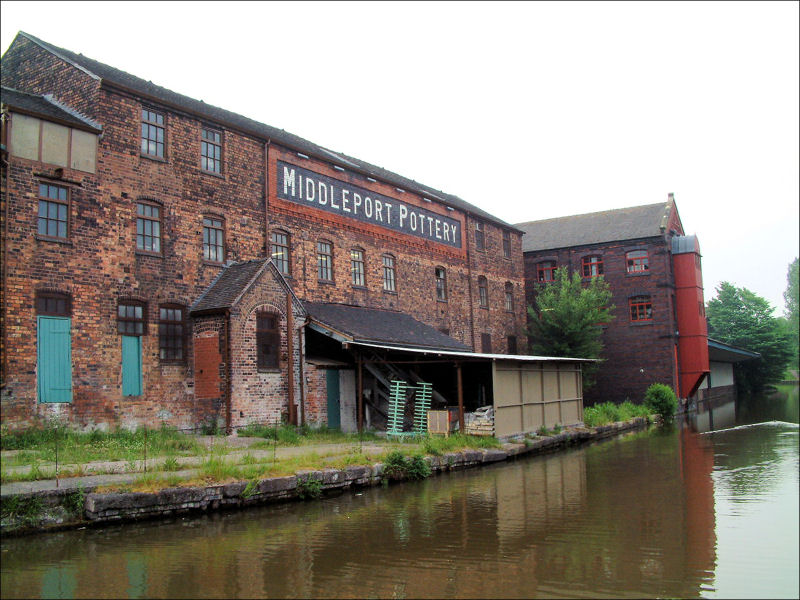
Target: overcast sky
point(529, 111)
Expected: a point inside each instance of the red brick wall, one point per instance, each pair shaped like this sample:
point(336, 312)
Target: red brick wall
point(100, 264)
point(636, 353)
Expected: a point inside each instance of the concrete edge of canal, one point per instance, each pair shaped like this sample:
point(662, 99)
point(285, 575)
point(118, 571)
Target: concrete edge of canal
point(59, 509)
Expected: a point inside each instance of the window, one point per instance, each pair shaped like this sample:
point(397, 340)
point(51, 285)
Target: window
point(480, 237)
point(546, 271)
point(211, 150)
point(279, 249)
point(592, 266)
point(388, 273)
point(148, 227)
point(357, 266)
point(268, 340)
point(641, 308)
point(483, 292)
point(324, 261)
point(171, 333)
point(511, 343)
point(637, 261)
point(213, 239)
point(34, 139)
point(509, 289)
point(131, 318)
point(53, 211)
point(486, 343)
point(53, 304)
point(506, 244)
point(132, 325)
point(152, 133)
point(53, 347)
point(441, 284)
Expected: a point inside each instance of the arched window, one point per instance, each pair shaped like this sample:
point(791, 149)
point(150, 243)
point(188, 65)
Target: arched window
point(592, 265)
point(509, 291)
point(389, 278)
point(546, 270)
point(357, 266)
point(440, 274)
point(171, 332)
point(279, 250)
point(483, 292)
point(268, 340)
point(324, 260)
point(637, 261)
point(641, 308)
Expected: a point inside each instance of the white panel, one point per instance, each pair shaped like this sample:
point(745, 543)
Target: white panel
point(55, 144)
point(84, 150)
point(24, 137)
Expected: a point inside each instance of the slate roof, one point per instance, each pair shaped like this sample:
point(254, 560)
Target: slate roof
point(229, 285)
point(47, 107)
point(259, 130)
point(384, 326)
point(596, 228)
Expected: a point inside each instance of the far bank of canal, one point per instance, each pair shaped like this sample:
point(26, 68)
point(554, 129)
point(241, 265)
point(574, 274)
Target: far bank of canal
point(667, 512)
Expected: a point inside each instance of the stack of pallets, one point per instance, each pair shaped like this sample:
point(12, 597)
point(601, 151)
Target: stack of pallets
point(480, 422)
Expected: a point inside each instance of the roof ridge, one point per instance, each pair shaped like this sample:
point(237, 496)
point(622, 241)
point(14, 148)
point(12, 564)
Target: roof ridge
point(257, 129)
point(597, 212)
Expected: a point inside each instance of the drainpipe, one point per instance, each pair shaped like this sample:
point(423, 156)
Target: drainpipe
point(469, 290)
point(302, 352)
point(290, 350)
point(229, 373)
point(6, 166)
point(266, 197)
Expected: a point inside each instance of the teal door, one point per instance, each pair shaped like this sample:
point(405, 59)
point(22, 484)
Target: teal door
point(131, 365)
point(334, 421)
point(54, 359)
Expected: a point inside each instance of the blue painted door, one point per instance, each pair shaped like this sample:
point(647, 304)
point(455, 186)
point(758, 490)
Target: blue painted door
point(334, 420)
point(131, 365)
point(54, 359)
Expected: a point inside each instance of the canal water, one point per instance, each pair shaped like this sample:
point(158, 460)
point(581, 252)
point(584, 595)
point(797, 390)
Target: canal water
point(706, 508)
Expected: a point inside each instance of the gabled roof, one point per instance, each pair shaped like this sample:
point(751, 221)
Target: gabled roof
point(359, 324)
point(46, 107)
point(595, 228)
point(228, 286)
point(219, 115)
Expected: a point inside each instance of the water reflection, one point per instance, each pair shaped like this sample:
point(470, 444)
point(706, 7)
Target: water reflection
point(651, 514)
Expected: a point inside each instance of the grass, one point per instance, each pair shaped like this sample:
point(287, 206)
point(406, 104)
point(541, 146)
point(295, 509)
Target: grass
point(436, 445)
point(289, 435)
point(608, 412)
point(73, 448)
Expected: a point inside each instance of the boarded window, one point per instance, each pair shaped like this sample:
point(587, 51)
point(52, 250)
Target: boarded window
point(486, 343)
point(268, 340)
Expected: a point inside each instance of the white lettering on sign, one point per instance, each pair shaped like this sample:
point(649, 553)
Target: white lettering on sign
point(303, 186)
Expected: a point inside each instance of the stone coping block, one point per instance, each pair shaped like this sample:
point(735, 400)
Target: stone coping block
point(103, 507)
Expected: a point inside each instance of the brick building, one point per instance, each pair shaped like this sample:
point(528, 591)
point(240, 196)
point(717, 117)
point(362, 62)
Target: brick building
point(653, 269)
point(163, 260)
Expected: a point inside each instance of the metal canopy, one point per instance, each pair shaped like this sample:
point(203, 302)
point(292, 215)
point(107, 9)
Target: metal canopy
point(470, 355)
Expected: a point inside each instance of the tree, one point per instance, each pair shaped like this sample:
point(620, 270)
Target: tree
point(739, 317)
point(792, 299)
point(567, 316)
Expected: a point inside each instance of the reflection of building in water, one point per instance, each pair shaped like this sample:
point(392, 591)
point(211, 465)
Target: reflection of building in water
point(629, 516)
point(720, 386)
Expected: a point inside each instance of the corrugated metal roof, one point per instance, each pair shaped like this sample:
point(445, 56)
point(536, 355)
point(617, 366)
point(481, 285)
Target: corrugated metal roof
point(476, 355)
point(596, 228)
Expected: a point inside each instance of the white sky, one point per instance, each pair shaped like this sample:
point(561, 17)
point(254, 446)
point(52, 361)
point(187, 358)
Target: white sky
point(527, 110)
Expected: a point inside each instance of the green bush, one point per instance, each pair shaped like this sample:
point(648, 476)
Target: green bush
point(396, 466)
point(660, 399)
point(309, 488)
point(608, 412)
